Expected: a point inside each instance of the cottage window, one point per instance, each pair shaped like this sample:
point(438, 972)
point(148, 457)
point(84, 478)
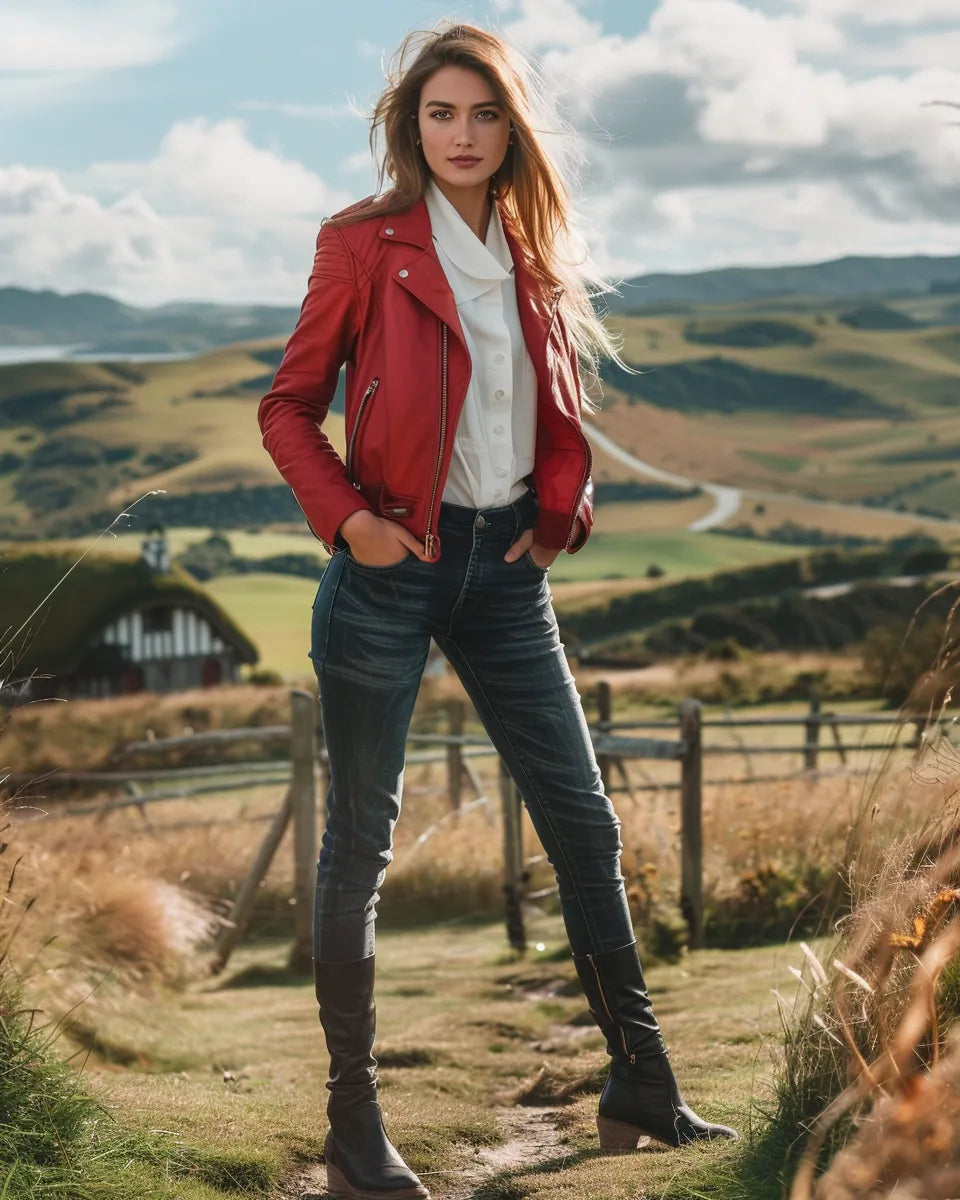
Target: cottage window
point(157, 620)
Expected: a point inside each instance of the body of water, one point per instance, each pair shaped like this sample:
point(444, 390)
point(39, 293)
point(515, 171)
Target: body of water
point(12, 355)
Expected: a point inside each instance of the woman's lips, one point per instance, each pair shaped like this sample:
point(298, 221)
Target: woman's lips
point(464, 161)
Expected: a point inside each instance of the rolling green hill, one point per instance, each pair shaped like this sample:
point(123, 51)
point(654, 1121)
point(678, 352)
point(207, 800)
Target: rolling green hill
point(803, 402)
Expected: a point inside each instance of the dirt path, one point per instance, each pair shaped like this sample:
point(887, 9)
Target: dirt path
point(530, 1138)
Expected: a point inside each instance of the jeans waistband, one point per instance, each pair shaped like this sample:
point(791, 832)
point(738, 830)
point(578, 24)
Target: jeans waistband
point(523, 509)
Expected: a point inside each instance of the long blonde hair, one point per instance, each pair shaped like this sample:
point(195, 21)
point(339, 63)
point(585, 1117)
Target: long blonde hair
point(531, 188)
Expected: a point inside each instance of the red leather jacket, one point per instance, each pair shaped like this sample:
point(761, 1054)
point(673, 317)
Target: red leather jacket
point(378, 300)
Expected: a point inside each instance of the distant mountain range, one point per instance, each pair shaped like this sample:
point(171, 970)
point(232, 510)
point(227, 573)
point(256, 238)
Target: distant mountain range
point(103, 325)
point(840, 279)
point(99, 323)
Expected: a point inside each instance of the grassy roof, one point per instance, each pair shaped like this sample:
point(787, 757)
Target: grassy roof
point(97, 590)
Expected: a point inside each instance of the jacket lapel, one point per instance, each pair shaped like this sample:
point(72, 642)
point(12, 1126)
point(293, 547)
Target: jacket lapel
point(421, 274)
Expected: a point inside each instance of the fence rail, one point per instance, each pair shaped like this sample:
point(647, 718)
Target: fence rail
point(616, 743)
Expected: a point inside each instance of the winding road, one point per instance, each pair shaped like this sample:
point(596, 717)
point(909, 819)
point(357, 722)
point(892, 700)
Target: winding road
point(728, 500)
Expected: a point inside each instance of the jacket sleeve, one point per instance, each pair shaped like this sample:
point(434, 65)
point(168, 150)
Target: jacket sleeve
point(292, 413)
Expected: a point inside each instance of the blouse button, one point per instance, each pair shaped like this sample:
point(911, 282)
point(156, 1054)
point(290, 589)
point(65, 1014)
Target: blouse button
point(499, 393)
point(498, 359)
point(403, 273)
point(498, 429)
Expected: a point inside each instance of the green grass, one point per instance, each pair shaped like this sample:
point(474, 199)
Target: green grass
point(776, 462)
point(274, 611)
point(462, 1027)
point(679, 553)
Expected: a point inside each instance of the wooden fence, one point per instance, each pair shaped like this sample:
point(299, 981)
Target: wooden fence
point(303, 769)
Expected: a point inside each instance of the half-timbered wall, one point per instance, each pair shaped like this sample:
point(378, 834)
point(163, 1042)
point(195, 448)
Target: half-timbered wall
point(189, 634)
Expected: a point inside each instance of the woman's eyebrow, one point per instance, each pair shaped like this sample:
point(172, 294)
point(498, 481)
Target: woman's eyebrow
point(449, 104)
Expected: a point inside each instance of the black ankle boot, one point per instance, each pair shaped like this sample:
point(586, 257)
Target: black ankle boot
point(640, 1098)
point(362, 1164)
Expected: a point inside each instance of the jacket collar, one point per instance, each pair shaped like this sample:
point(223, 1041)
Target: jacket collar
point(426, 280)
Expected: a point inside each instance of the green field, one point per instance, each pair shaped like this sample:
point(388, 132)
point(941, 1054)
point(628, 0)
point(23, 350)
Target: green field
point(274, 611)
point(828, 411)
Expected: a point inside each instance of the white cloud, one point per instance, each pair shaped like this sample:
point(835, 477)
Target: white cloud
point(883, 12)
point(60, 35)
point(551, 23)
point(737, 98)
point(214, 167)
point(211, 216)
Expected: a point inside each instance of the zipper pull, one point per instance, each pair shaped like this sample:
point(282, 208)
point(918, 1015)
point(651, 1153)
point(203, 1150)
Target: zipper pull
point(431, 546)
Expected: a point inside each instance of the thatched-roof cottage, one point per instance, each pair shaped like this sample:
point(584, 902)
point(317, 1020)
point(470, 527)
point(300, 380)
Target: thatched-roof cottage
point(113, 625)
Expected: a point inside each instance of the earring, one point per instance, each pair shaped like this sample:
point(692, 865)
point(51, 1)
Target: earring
point(418, 141)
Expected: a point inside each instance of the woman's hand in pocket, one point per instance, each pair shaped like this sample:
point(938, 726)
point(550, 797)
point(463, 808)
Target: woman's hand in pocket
point(376, 542)
point(524, 544)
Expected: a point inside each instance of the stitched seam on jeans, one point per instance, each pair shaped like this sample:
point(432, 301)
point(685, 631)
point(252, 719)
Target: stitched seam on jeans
point(467, 577)
point(588, 922)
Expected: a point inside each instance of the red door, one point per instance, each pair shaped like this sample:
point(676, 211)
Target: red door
point(211, 672)
point(132, 680)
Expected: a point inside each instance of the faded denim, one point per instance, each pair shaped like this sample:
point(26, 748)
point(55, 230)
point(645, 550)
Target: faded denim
point(494, 622)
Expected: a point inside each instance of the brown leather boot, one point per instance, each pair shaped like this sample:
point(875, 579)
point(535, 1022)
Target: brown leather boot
point(362, 1164)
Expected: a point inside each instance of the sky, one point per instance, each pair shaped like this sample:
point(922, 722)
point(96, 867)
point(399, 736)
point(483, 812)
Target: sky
point(160, 150)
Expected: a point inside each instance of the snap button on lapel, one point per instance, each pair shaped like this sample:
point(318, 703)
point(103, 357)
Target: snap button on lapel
point(388, 232)
point(403, 273)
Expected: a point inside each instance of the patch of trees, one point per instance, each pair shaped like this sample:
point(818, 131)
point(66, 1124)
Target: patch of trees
point(632, 611)
point(239, 507)
point(627, 490)
point(73, 470)
point(877, 316)
point(873, 615)
point(214, 556)
point(749, 334)
point(789, 533)
point(723, 385)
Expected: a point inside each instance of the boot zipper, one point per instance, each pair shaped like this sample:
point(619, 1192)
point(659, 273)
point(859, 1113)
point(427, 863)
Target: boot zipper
point(631, 1058)
point(364, 400)
point(430, 542)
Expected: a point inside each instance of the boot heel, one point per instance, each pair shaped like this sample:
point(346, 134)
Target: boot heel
point(617, 1137)
point(339, 1186)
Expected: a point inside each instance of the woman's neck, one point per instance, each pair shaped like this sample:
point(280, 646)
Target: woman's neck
point(473, 204)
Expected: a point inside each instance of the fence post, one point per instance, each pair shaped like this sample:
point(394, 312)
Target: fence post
point(691, 820)
point(604, 711)
point(512, 860)
point(303, 748)
point(242, 906)
point(811, 735)
point(456, 710)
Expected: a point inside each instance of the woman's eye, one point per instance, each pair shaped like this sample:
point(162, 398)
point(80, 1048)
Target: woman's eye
point(488, 112)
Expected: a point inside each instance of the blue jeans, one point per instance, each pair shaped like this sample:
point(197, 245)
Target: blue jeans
point(494, 622)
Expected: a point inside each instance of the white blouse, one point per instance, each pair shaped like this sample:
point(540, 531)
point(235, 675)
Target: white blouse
point(496, 434)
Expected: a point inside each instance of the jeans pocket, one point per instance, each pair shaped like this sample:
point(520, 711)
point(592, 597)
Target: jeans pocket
point(323, 608)
point(529, 561)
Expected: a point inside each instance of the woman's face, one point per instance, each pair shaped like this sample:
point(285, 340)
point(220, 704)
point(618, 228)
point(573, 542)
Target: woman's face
point(464, 129)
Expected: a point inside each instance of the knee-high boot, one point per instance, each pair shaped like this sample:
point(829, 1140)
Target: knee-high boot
point(640, 1098)
point(362, 1164)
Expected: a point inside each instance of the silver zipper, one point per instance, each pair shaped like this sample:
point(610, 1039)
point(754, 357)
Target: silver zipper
point(430, 541)
point(364, 400)
point(632, 1058)
point(583, 485)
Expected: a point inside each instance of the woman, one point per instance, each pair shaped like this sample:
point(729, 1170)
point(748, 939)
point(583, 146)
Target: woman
point(462, 323)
